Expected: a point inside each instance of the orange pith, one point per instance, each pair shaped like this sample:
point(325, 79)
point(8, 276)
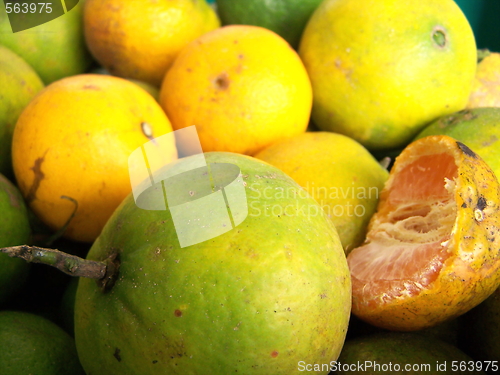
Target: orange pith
point(431, 251)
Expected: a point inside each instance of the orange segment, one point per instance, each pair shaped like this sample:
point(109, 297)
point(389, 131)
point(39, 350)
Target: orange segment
point(432, 248)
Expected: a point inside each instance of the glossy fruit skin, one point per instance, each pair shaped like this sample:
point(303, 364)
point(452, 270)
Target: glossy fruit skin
point(32, 344)
point(20, 83)
point(286, 18)
point(338, 172)
point(140, 39)
point(472, 272)
point(55, 49)
point(14, 230)
point(242, 86)
point(74, 140)
point(257, 299)
point(478, 128)
point(378, 75)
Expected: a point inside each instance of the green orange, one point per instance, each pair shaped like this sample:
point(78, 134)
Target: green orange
point(14, 230)
point(285, 17)
point(55, 49)
point(478, 128)
point(269, 292)
point(20, 83)
point(32, 344)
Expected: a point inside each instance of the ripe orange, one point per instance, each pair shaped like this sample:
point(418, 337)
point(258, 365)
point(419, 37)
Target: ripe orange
point(381, 70)
point(486, 87)
point(243, 87)
point(140, 39)
point(338, 172)
point(433, 247)
point(74, 140)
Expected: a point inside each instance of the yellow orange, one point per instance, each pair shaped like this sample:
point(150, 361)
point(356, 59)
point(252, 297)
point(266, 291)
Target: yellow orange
point(140, 38)
point(71, 147)
point(243, 87)
point(381, 70)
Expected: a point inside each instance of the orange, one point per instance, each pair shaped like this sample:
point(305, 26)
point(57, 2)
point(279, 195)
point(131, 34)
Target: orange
point(486, 87)
point(74, 140)
point(33, 344)
point(338, 172)
point(242, 86)
point(432, 251)
point(381, 70)
point(271, 291)
point(20, 83)
point(140, 39)
point(55, 49)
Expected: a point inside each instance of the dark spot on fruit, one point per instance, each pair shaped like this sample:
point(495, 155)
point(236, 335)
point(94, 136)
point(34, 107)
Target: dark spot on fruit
point(492, 140)
point(221, 82)
point(91, 87)
point(274, 354)
point(464, 205)
point(240, 56)
point(116, 354)
point(481, 203)
point(155, 362)
point(178, 313)
point(39, 176)
point(466, 150)
point(235, 41)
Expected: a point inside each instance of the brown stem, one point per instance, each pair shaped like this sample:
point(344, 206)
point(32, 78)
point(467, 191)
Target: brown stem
point(67, 263)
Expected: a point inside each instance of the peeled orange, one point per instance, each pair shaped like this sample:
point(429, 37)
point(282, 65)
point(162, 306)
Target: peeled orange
point(432, 250)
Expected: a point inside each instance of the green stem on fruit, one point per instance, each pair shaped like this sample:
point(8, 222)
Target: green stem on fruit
point(67, 263)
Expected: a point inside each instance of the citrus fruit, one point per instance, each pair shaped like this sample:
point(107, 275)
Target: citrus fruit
point(486, 87)
point(480, 331)
point(55, 49)
point(338, 172)
point(381, 70)
point(268, 292)
point(403, 352)
point(432, 248)
point(71, 147)
point(242, 86)
point(478, 128)
point(285, 17)
point(14, 230)
point(32, 344)
point(20, 83)
point(140, 39)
